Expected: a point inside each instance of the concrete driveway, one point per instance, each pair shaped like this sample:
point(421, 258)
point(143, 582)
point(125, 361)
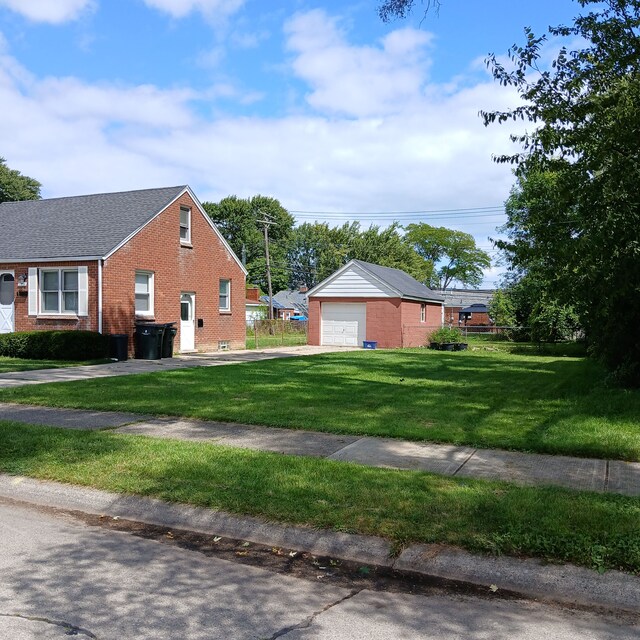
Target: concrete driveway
point(128, 367)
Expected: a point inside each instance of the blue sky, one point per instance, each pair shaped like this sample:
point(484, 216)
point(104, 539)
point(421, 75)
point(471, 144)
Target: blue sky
point(317, 103)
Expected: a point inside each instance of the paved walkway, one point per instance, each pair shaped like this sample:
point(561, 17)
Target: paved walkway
point(588, 474)
point(129, 367)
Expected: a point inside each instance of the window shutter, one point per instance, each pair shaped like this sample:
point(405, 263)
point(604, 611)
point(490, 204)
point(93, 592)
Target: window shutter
point(83, 292)
point(33, 291)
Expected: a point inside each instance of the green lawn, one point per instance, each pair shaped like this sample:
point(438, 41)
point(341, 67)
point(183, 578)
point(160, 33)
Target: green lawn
point(278, 340)
point(481, 398)
point(20, 364)
point(600, 531)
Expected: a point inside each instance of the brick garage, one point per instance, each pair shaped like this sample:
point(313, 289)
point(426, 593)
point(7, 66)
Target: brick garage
point(364, 301)
point(140, 255)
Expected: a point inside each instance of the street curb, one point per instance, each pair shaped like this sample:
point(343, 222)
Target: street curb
point(566, 584)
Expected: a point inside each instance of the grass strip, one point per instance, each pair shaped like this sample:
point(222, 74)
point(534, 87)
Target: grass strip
point(543, 404)
point(599, 531)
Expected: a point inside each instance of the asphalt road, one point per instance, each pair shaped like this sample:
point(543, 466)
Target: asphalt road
point(61, 578)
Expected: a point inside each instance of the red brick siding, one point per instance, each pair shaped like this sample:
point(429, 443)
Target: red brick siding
point(197, 269)
point(385, 320)
point(414, 332)
point(24, 322)
point(477, 319)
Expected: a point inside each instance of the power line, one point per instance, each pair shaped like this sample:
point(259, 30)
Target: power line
point(399, 213)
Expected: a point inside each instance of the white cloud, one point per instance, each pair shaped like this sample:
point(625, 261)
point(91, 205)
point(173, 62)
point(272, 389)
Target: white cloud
point(412, 147)
point(216, 10)
point(357, 80)
point(52, 11)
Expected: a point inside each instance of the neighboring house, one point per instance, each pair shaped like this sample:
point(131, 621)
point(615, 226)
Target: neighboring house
point(255, 308)
point(291, 302)
point(364, 301)
point(467, 307)
point(279, 310)
point(102, 262)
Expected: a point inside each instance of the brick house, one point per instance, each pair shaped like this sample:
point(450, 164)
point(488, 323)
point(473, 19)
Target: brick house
point(467, 307)
point(102, 262)
point(364, 301)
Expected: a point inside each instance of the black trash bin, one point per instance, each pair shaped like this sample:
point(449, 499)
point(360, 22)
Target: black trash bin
point(149, 341)
point(167, 341)
point(119, 346)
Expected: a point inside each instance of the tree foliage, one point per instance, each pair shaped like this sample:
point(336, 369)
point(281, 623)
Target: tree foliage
point(391, 9)
point(317, 250)
point(238, 220)
point(14, 186)
point(576, 222)
point(453, 254)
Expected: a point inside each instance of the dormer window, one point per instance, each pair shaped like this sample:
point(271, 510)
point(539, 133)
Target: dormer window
point(185, 225)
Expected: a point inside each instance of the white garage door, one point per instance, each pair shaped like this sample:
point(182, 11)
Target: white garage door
point(343, 324)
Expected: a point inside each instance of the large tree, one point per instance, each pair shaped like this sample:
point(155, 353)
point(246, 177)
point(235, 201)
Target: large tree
point(453, 254)
point(14, 186)
point(317, 250)
point(579, 168)
point(240, 222)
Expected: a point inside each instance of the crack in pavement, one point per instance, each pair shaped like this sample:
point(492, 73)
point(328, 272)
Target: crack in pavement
point(70, 629)
point(307, 622)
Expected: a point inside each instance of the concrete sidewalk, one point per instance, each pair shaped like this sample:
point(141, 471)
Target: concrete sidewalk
point(129, 367)
point(566, 584)
point(585, 474)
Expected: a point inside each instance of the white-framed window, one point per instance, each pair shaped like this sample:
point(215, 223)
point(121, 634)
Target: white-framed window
point(225, 295)
point(144, 293)
point(423, 312)
point(59, 291)
point(185, 225)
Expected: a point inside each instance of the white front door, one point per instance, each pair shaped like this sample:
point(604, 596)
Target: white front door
point(343, 324)
point(7, 295)
point(187, 323)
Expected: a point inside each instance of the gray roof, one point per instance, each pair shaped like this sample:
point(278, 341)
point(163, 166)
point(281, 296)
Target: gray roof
point(79, 226)
point(274, 303)
point(466, 297)
point(400, 281)
point(292, 299)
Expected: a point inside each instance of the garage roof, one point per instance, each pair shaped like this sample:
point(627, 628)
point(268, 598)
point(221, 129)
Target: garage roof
point(399, 281)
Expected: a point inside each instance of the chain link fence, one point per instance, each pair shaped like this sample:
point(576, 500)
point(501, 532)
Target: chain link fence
point(276, 333)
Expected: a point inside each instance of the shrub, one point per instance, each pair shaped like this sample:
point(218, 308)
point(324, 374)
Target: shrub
point(54, 345)
point(446, 334)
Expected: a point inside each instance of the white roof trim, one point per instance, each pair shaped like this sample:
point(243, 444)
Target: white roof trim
point(188, 190)
point(61, 259)
point(342, 269)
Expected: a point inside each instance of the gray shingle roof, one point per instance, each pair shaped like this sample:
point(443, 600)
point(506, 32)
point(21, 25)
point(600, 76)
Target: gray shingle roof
point(397, 279)
point(78, 226)
point(292, 299)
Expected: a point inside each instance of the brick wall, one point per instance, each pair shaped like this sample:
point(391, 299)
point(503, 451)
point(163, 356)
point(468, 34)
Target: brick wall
point(24, 322)
point(385, 320)
point(414, 332)
point(477, 319)
point(176, 268)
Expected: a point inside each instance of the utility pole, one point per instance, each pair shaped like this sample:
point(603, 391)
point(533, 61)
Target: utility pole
point(267, 221)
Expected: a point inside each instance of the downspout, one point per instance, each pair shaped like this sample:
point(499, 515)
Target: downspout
point(100, 295)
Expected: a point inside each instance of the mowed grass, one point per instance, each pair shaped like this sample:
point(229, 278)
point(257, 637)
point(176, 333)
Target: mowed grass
point(8, 365)
point(546, 404)
point(600, 531)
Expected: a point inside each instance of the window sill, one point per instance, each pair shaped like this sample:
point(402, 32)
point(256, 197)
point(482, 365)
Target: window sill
point(150, 318)
point(58, 316)
point(186, 245)
point(224, 312)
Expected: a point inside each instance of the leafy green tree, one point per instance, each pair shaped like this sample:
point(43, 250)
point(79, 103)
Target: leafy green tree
point(578, 225)
point(14, 186)
point(390, 9)
point(318, 250)
point(239, 222)
point(453, 254)
point(502, 309)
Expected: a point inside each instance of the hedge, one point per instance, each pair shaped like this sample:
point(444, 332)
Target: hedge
point(54, 345)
